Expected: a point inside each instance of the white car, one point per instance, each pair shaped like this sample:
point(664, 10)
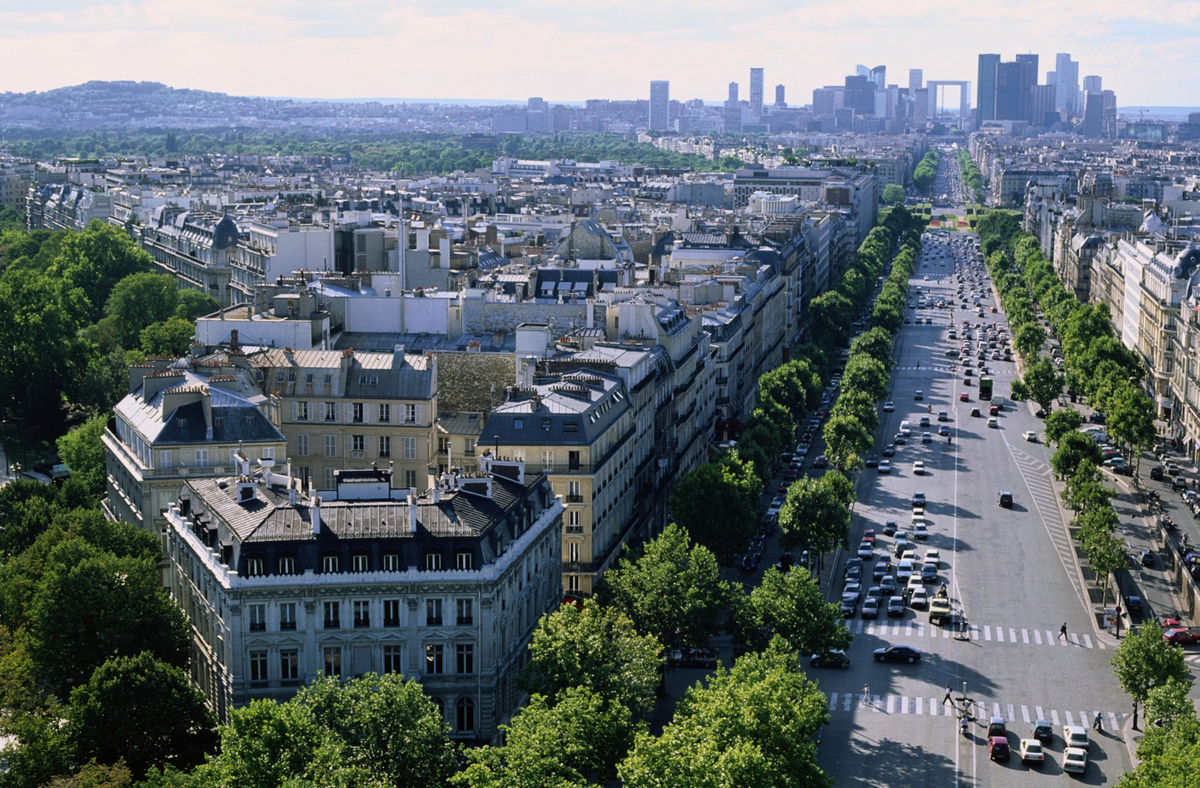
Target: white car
point(885, 466)
point(888, 406)
point(1075, 760)
point(1076, 736)
point(1031, 752)
point(920, 598)
point(1030, 436)
point(919, 468)
point(920, 531)
point(865, 550)
point(932, 556)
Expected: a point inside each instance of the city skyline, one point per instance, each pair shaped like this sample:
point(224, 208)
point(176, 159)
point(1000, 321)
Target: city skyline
point(422, 50)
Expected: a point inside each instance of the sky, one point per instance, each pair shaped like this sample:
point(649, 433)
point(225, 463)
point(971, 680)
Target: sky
point(571, 51)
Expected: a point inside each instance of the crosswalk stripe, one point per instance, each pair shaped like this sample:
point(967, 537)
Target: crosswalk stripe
point(904, 704)
point(1049, 636)
point(846, 702)
point(996, 710)
point(920, 705)
point(1053, 717)
point(1113, 721)
point(1100, 644)
point(999, 634)
point(1074, 638)
point(875, 706)
point(1025, 714)
point(1087, 642)
point(1010, 716)
point(1070, 719)
point(1012, 635)
point(1038, 711)
point(1037, 636)
point(1025, 636)
point(987, 632)
point(833, 696)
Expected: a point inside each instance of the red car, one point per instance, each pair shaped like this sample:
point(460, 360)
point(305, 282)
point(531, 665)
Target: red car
point(869, 535)
point(998, 748)
point(1181, 636)
point(964, 397)
point(820, 462)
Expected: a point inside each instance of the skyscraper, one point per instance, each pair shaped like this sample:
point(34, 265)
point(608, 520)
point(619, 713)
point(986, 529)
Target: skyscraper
point(1029, 78)
point(879, 75)
point(779, 101)
point(756, 92)
point(916, 80)
point(1008, 92)
point(1066, 88)
point(660, 103)
point(1092, 84)
point(1093, 115)
point(733, 93)
point(985, 107)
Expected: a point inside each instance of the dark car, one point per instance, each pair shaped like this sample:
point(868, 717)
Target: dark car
point(1147, 558)
point(1098, 417)
point(895, 607)
point(1006, 499)
point(889, 451)
point(889, 527)
point(1134, 605)
point(750, 562)
point(872, 461)
point(1156, 473)
point(1040, 413)
point(834, 658)
point(820, 462)
point(1043, 731)
point(693, 658)
point(998, 748)
point(897, 653)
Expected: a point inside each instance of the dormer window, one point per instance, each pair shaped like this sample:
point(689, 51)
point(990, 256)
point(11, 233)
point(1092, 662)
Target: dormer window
point(464, 559)
point(329, 563)
point(254, 566)
point(433, 562)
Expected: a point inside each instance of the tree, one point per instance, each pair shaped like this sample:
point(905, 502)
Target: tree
point(673, 591)
point(1044, 382)
point(1105, 552)
point(754, 726)
point(195, 304)
point(867, 374)
point(1144, 661)
point(95, 260)
point(846, 439)
point(82, 451)
point(814, 517)
point(1130, 420)
point(790, 604)
point(595, 647)
point(1029, 339)
point(1074, 448)
point(876, 344)
point(143, 712)
point(859, 406)
point(95, 775)
point(99, 607)
point(893, 193)
point(783, 386)
point(577, 741)
point(717, 505)
point(1170, 702)
point(171, 337)
point(1062, 422)
point(1169, 757)
point(140, 300)
point(830, 315)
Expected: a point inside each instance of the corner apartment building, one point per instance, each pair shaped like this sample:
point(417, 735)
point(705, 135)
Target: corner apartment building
point(347, 409)
point(849, 189)
point(282, 587)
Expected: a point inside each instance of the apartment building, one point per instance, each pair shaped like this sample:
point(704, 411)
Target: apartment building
point(347, 409)
point(282, 587)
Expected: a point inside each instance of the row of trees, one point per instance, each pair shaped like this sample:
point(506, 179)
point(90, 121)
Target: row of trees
point(971, 177)
point(75, 310)
point(926, 171)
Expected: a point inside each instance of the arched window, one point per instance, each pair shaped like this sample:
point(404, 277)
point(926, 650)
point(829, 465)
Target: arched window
point(464, 715)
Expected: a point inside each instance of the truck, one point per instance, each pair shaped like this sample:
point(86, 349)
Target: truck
point(985, 389)
point(939, 611)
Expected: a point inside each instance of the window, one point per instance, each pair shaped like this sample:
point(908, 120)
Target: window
point(391, 562)
point(258, 668)
point(201, 458)
point(333, 619)
point(328, 379)
point(410, 414)
point(362, 614)
point(287, 564)
point(470, 442)
point(391, 612)
point(357, 411)
point(572, 460)
point(547, 458)
point(463, 610)
point(258, 617)
point(329, 563)
point(254, 566)
point(573, 524)
point(464, 657)
point(464, 559)
point(302, 411)
point(433, 612)
point(268, 453)
point(443, 445)
point(573, 492)
point(289, 665)
point(330, 445)
point(518, 424)
point(391, 659)
point(410, 479)
point(329, 480)
point(464, 715)
point(164, 459)
point(385, 446)
point(360, 562)
point(287, 615)
point(433, 659)
point(410, 448)
point(333, 661)
point(302, 444)
point(330, 410)
point(433, 562)
point(358, 443)
point(385, 413)
point(573, 584)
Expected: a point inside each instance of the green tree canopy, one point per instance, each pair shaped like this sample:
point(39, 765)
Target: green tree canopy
point(893, 193)
point(790, 604)
point(1062, 422)
point(83, 452)
point(1074, 448)
point(717, 505)
point(171, 337)
point(95, 260)
point(814, 515)
point(195, 304)
point(1044, 383)
point(1144, 661)
point(140, 300)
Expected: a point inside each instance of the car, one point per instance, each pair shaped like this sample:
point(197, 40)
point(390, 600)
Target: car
point(920, 598)
point(865, 550)
point(1006, 499)
point(920, 530)
point(996, 727)
point(919, 468)
point(693, 658)
point(895, 607)
point(1147, 558)
point(1134, 605)
point(871, 462)
point(1075, 736)
point(1098, 417)
point(1156, 473)
point(889, 451)
point(964, 397)
point(994, 410)
point(889, 527)
point(847, 607)
point(889, 406)
point(998, 748)
point(993, 423)
point(885, 466)
point(896, 652)
point(904, 570)
point(1043, 731)
point(926, 437)
point(1030, 436)
point(834, 658)
point(1040, 413)
point(943, 416)
point(880, 570)
point(944, 431)
point(929, 573)
point(918, 498)
point(975, 413)
point(1075, 760)
point(924, 421)
point(870, 607)
point(820, 462)
point(918, 394)
point(1183, 637)
point(869, 535)
point(900, 439)
point(750, 562)
point(1031, 752)
point(887, 584)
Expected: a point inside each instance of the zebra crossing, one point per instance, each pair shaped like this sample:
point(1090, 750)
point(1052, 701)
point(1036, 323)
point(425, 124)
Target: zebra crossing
point(995, 373)
point(984, 633)
point(917, 705)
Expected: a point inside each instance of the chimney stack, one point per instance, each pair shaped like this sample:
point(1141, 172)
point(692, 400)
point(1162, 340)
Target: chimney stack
point(315, 511)
point(412, 513)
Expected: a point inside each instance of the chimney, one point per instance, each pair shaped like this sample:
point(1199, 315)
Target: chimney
point(398, 357)
point(444, 252)
point(412, 513)
point(315, 511)
point(291, 494)
point(233, 339)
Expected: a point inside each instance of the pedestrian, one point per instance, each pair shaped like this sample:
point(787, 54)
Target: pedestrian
point(1097, 723)
point(866, 695)
point(1062, 633)
point(947, 699)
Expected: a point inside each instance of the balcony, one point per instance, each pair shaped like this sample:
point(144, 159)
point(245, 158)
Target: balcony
point(569, 498)
point(574, 529)
point(287, 626)
point(258, 626)
point(333, 623)
point(464, 621)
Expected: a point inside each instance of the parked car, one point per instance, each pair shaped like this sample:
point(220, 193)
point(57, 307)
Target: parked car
point(998, 748)
point(693, 658)
point(1006, 499)
point(1184, 637)
point(835, 658)
point(897, 653)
